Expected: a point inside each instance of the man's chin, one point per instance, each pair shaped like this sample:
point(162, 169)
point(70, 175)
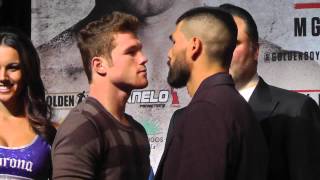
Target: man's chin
point(177, 81)
point(142, 85)
point(176, 84)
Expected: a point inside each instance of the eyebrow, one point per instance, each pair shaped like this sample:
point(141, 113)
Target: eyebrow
point(14, 64)
point(134, 47)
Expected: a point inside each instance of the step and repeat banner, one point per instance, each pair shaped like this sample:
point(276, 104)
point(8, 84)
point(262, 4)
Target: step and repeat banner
point(289, 53)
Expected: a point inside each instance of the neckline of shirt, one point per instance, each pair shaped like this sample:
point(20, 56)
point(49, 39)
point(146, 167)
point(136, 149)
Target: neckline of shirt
point(21, 147)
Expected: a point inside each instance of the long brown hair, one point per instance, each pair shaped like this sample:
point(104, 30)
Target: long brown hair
point(33, 92)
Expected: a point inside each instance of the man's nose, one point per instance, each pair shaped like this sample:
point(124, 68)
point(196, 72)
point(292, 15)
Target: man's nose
point(3, 74)
point(143, 59)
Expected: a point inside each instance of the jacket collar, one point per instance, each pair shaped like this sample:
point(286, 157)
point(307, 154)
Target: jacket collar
point(261, 101)
point(217, 79)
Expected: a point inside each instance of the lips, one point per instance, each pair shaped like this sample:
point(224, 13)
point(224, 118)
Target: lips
point(142, 71)
point(4, 88)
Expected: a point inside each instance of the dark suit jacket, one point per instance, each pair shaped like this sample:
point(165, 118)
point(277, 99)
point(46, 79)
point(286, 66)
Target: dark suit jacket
point(215, 137)
point(291, 124)
point(170, 134)
point(171, 128)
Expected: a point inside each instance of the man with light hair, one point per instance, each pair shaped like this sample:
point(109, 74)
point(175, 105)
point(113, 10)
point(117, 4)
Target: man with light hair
point(98, 140)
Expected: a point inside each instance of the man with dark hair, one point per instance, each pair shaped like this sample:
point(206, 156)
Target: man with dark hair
point(289, 120)
point(216, 136)
point(98, 140)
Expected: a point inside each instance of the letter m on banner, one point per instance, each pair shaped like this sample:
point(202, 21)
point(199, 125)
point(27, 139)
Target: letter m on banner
point(300, 26)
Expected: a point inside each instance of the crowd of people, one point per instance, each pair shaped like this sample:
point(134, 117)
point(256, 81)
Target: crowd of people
point(236, 126)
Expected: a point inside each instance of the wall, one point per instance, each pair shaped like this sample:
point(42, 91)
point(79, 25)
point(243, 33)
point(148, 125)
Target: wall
point(54, 21)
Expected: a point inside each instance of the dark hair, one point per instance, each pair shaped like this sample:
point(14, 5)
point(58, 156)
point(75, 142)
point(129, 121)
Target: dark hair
point(33, 93)
point(96, 38)
point(251, 27)
point(224, 48)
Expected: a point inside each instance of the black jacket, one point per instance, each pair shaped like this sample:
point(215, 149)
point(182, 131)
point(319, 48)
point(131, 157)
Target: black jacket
point(291, 124)
point(215, 137)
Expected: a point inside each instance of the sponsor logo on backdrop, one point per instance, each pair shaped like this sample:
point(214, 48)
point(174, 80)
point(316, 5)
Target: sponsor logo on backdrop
point(65, 100)
point(153, 98)
point(154, 132)
point(306, 26)
point(292, 56)
point(175, 98)
point(302, 27)
point(145, 99)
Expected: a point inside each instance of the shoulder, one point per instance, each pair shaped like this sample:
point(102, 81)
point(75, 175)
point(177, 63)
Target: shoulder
point(225, 103)
point(222, 96)
point(201, 112)
point(279, 94)
point(291, 97)
point(284, 94)
point(74, 120)
point(219, 115)
point(78, 117)
point(178, 112)
point(294, 102)
point(76, 128)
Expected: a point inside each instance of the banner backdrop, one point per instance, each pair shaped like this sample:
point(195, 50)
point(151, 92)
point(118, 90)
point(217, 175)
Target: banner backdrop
point(289, 53)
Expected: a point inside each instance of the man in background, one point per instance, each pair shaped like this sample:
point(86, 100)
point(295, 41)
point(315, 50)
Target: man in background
point(290, 121)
